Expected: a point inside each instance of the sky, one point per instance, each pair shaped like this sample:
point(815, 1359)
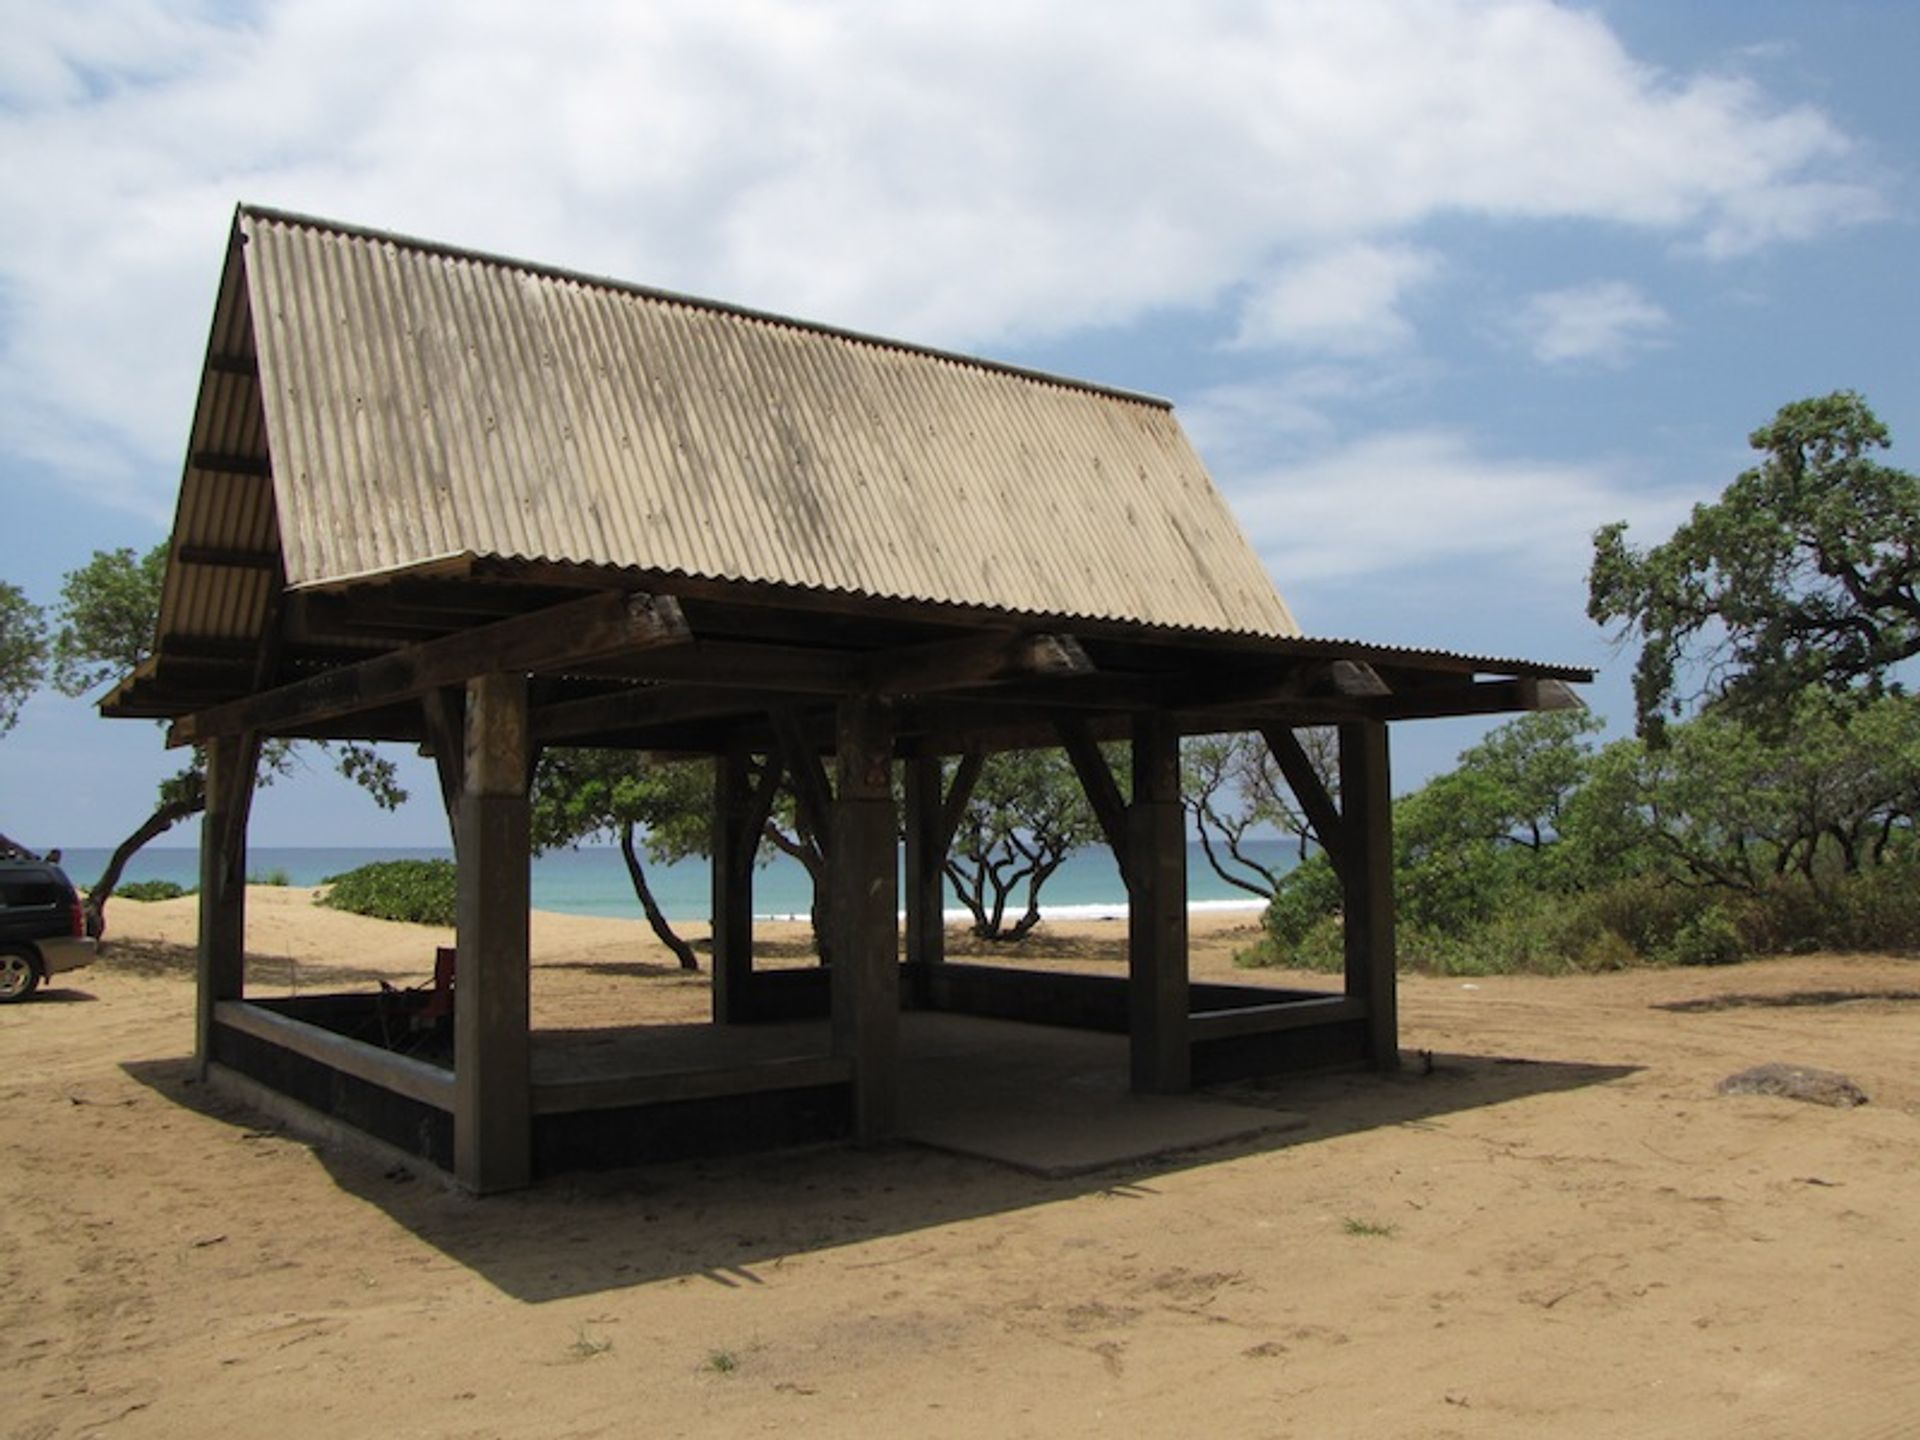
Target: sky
point(1437, 287)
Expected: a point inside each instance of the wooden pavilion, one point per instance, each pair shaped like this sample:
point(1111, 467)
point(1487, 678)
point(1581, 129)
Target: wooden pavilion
point(487, 507)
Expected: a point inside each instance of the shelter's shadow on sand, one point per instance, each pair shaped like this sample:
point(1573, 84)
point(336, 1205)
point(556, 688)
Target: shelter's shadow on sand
point(167, 959)
point(730, 1222)
point(629, 969)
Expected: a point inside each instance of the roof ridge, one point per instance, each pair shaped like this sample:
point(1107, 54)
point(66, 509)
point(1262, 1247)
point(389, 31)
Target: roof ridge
point(696, 302)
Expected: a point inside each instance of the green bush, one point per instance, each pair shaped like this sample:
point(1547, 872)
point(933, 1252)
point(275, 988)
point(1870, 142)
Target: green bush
point(1645, 920)
point(276, 877)
point(151, 890)
point(418, 891)
point(1708, 937)
point(1305, 898)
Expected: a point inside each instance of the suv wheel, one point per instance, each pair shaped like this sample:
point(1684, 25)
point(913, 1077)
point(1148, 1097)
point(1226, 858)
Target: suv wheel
point(19, 976)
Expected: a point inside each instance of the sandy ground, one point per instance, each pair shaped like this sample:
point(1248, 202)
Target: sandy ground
point(1560, 1229)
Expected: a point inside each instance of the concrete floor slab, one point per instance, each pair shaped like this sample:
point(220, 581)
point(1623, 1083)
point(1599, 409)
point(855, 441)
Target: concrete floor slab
point(1050, 1101)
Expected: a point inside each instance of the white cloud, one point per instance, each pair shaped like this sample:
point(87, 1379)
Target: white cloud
point(1246, 423)
point(968, 175)
point(1345, 301)
point(1605, 322)
point(1416, 499)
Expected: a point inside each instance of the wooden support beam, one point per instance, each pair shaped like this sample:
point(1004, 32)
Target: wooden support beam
point(273, 639)
point(220, 958)
point(864, 883)
point(444, 712)
point(1367, 886)
point(402, 1074)
point(748, 665)
point(647, 707)
point(1353, 677)
point(975, 660)
point(953, 807)
point(1485, 697)
point(669, 1087)
point(543, 640)
point(421, 609)
point(1321, 812)
point(812, 794)
point(766, 790)
point(1269, 1019)
point(1550, 695)
point(1157, 989)
point(736, 836)
point(926, 854)
point(492, 1066)
point(804, 669)
point(958, 725)
point(1103, 791)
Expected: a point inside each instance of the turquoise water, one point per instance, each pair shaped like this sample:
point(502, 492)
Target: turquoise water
point(593, 880)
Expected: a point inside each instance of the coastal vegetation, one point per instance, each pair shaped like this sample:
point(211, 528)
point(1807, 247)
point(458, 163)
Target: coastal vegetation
point(23, 652)
point(1026, 815)
point(1768, 802)
point(420, 892)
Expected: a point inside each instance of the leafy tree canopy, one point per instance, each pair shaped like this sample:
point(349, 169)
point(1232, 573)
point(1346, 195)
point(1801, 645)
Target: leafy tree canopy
point(23, 652)
point(109, 609)
point(1026, 815)
point(108, 615)
point(1805, 572)
point(581, 794)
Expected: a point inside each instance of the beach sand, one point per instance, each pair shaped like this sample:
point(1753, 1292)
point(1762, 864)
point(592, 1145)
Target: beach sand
point(1551, 1225)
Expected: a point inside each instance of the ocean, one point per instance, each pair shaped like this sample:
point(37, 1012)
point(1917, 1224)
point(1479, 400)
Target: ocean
point(593, 880)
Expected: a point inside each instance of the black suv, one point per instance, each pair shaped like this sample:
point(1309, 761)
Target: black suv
point(43, 927)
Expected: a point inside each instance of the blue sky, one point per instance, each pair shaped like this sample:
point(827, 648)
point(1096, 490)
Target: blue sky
point(1438, 287)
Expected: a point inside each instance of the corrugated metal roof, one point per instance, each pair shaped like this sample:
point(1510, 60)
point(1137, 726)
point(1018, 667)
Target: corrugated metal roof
point(422, 403)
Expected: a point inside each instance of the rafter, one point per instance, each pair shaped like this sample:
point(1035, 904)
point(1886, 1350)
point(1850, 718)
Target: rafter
point(544, 640)
point(216, 463)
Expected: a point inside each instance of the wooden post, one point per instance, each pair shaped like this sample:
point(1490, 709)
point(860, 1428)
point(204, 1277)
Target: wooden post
point(926, 860)
point(444, 715)
point(220, 959)
point(864, 884)
point(1367, 884)
point(733, 852)
point(492, 1114)
point(1157, 911)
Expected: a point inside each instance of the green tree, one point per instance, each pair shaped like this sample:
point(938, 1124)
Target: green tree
point(1488, 832)
point(582, 794)
point(23, 652)
point(1483, 838)
point(1026, 815)
point(108, 612)
point(1805, 572)
point(1727, 806)
point(107, 618)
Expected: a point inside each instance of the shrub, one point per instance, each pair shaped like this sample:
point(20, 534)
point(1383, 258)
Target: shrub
point(151, 890)
point(418, 891)
point(1641, 920)
point(1708, 937)
point(1305, 897)
point(276, 877)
